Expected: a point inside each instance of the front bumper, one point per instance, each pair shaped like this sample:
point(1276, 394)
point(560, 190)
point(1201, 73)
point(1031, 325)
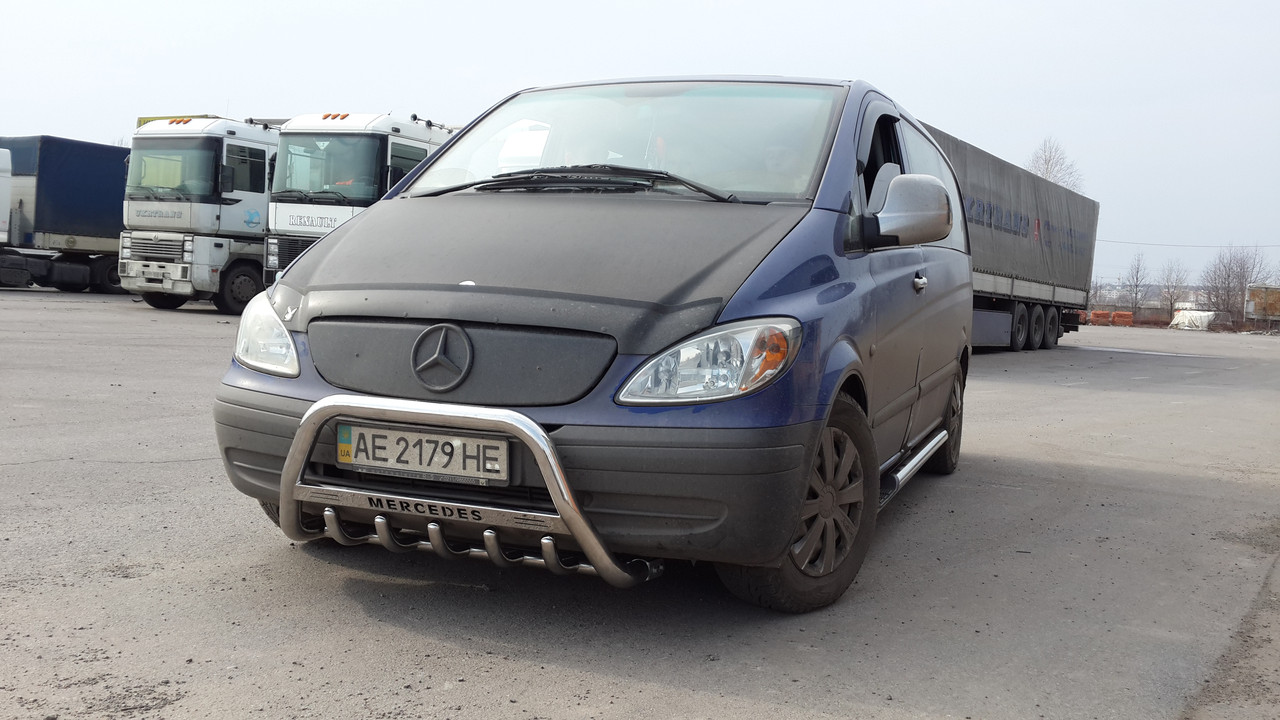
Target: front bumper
point(143, 276)
point(588, 494)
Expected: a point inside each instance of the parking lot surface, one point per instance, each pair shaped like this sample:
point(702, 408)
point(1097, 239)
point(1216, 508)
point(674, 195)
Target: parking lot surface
point(1107, 549)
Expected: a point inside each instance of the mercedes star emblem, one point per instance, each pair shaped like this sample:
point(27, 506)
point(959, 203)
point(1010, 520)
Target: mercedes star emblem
point(441, 357)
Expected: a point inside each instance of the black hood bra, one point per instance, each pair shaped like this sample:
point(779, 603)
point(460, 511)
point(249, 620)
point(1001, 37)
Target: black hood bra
point(645, 270)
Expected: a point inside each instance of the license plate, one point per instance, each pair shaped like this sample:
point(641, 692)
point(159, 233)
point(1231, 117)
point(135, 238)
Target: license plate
point(405, 452)
point(153, 274)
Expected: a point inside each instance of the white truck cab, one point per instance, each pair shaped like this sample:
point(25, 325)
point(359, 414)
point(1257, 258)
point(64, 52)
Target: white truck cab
point(195, 211)
point(330, 167)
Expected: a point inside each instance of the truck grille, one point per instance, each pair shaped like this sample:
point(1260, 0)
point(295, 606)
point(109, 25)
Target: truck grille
point(291, 247)
point(145, 248)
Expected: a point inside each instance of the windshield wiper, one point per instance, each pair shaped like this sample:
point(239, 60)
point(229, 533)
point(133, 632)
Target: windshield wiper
point(540, 180)
point(149, 193)
point(603, 176)
point(291, 194)
point(316, 193)
point(645, 173)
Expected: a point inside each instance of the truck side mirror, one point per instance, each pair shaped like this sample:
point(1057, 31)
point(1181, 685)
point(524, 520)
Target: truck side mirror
point(916, 210)
point(226, 179)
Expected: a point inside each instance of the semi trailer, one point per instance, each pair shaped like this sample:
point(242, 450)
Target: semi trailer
point(1032, 244)
point(61, 224)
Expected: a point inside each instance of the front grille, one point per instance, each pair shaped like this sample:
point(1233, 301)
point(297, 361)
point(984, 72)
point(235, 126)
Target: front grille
point(145, 248)
point(290, 248)
point(510, 366)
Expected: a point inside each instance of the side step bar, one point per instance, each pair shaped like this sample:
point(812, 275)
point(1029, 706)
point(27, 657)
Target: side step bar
point(908, 470)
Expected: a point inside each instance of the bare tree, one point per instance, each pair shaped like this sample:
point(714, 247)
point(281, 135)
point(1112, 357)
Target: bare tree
point(1135, 284)
point(1225, 279)
point(1050, 162)
point(1173, 285)
point(1093, 295)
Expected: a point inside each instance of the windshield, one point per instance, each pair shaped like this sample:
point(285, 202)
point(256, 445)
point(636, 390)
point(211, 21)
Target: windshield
point(327, 168)
point(756, 141)
point(173, 169)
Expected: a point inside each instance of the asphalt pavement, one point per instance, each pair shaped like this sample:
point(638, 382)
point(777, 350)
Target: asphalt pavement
point(1107, 549)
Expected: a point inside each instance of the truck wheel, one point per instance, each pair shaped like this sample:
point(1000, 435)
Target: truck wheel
point(947, 458)
point(1036, 334)
point(107, 269)
point(239, 285)
point(164, 301)
point(72, 287)
point(1052, 328)
point(1018, 331)
point(836, 523)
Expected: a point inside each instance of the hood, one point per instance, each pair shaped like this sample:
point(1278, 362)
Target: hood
point(645, 270)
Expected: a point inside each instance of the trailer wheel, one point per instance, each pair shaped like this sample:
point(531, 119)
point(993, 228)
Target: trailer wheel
point(72, 287)
point(1019, 330)
point(1052, 328)
point(835, 525)
point(1036, 328)
point(240, 283)
point(164, 301)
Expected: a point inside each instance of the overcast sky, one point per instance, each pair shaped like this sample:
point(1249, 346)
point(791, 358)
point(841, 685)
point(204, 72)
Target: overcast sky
point(1168, 109)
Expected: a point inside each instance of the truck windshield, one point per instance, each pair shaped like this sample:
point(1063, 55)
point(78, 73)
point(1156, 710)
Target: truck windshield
point(339, 169)
point(173, 169)
point(759, 142)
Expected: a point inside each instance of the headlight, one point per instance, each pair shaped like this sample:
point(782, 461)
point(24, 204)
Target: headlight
point(263, 343)
point(721, 363)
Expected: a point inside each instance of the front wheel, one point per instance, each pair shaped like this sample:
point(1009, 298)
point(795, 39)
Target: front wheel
point(837, 520)
point(239, 285)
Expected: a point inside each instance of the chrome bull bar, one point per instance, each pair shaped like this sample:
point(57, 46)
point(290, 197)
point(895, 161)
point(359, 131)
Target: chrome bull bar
point(569, 518)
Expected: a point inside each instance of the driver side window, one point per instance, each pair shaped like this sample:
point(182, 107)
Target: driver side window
point(884, 151)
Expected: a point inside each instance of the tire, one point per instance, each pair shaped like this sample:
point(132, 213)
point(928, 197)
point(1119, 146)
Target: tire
point(947, 457)
point(164, 301)
point(107, 268)
point(1036, 334)
point(240, 284)
point(72, 287)
point(272, 510)
point(836, 523)
point(1019, 330)
point(1052, 328)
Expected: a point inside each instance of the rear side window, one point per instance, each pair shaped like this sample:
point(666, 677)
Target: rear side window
point(925, 159)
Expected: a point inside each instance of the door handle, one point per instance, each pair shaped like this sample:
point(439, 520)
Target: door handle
point(920, 283)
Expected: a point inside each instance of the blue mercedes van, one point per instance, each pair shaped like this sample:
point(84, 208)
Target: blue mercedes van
point(615, 324)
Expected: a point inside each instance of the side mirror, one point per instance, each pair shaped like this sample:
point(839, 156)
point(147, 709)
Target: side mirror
point(916, 210)
point(226, 179)
point(394, 175)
